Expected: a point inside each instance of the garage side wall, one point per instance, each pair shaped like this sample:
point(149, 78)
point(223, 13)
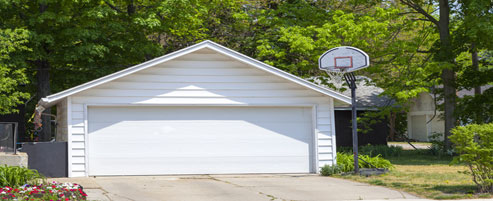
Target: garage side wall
point(203, 78)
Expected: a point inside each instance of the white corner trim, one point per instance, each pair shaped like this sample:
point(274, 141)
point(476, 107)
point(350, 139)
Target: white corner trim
point(69, 136)
point(333, 131)
point(315, 162)
point(49, 100)
point(86, 142)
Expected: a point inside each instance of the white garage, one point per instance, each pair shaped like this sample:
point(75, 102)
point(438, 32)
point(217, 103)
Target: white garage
point(204, 109)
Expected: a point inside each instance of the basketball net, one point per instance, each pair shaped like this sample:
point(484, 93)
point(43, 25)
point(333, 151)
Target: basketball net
point(337, 77)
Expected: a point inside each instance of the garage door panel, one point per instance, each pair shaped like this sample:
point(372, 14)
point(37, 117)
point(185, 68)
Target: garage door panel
point(271, 114)
point(190, 149)
point(200, 165)
point(215, 145)
point(200, 130)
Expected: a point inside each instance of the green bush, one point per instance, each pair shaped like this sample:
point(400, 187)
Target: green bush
point(329, 170)
point(438, 146)
point(375, 150)
point(474, 143)
point(14, 176)
point(346, 162)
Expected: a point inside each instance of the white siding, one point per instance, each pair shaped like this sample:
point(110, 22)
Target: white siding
point(205, 79)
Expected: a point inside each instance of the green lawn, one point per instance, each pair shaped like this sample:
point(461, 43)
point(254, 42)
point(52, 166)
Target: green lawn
point(425, 176)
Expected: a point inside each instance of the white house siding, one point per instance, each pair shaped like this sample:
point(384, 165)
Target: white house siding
point(201, 78)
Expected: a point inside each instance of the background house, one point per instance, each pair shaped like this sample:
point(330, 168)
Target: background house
point(425, 120)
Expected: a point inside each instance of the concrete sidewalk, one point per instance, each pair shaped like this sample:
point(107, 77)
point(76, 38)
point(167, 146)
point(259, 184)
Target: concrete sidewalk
point(233, 187)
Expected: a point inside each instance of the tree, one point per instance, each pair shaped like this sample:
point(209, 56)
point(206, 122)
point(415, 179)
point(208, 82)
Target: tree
point(443, 53)
point(475, 29)
point(474, 46)
point(12, 69)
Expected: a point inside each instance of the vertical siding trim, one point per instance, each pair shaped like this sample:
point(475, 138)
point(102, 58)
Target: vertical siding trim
point(315, 139)
point(69, 136)
point(333, 131)
point(428, 127)
point(86, 143)
point(409, 126)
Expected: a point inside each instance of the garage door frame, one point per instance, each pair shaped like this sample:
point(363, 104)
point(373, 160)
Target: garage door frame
point(313, 107)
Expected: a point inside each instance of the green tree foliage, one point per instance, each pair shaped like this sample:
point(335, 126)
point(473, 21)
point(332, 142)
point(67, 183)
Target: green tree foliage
point(294, 34)
point(12, 69)
point(476, 108)
point(473, 44)
point(474, 143)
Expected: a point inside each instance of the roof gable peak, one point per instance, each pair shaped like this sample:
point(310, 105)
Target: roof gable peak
point(52, 99)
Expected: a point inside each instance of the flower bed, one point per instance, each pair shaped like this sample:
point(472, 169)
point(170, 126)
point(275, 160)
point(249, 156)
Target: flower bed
point(52, 191)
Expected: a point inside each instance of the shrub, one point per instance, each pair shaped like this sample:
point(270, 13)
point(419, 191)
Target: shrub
point(438, 146)
point(474, 143)
point(329, 170)
point(346, 162)
point(15, 176)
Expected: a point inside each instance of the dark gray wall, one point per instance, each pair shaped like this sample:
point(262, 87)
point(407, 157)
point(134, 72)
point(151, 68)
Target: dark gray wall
point(344, 137)
point(49, 158)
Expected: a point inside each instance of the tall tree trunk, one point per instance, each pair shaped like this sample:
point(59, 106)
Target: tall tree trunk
point(475, 66)
point(392, 117)
point(44, 89)
point(448, 73)
point(43, 76)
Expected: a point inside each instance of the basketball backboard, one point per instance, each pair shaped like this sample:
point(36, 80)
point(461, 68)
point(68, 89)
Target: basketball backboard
point(343, 59)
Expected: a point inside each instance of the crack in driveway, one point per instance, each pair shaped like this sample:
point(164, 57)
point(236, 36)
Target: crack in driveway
point(271, 197)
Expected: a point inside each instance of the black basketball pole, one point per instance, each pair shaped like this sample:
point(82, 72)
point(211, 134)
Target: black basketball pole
point(351, 82)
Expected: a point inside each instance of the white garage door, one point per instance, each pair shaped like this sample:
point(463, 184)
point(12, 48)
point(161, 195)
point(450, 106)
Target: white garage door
point(199, 140)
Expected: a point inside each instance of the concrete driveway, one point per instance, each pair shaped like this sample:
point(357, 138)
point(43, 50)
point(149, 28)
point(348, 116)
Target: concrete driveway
point(232, 187)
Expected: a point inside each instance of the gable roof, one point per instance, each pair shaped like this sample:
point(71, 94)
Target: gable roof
point(368, 96)
point(52, 99)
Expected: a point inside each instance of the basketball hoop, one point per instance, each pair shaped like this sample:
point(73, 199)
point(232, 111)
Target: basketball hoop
point(340, 63)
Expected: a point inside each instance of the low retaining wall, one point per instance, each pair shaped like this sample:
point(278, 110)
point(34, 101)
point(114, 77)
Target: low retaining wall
point(19, 159)
point(49, 158)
